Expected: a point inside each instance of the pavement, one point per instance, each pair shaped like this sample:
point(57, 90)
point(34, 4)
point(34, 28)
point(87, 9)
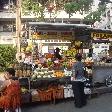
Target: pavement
point(102, 103)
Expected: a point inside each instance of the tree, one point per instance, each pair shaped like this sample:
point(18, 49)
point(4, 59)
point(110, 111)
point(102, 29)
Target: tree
point(38, 7)
point(81, 6)
point(96, 15)
point(85, 6)
point(33, 7)
point(71, 8)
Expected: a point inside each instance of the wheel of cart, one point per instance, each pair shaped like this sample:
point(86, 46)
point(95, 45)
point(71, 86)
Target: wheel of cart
point(108, 81)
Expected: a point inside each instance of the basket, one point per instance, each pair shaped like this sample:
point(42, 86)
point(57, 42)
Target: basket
point(35, 98)
point(58, 93)
point(45, 95)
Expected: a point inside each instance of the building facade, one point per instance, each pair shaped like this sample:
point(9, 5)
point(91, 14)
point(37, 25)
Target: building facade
point(8, 21)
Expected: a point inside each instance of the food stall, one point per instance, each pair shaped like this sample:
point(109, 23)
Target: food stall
point(51, 80)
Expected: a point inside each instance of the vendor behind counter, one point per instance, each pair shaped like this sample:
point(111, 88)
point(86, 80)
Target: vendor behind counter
point(57, 53)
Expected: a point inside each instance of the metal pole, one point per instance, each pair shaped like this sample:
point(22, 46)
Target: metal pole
point(18, 24)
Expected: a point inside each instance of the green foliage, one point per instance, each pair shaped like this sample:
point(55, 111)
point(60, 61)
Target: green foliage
point(37, 7)
point(96, 15)
point(33, 7)
point(7, 56)
point(85, 6)
point(82, 6)
point(71, 8)
point(27, 6)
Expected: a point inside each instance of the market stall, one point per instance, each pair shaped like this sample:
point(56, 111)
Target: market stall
point(53, 47)
point(45, 73)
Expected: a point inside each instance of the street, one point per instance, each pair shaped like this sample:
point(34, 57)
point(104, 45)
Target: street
point(102, 103)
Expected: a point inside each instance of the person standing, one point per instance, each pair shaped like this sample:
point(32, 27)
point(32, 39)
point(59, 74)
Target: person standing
point(78, 81)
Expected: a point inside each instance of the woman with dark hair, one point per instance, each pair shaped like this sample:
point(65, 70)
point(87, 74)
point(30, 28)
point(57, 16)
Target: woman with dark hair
point(77, 81)
point(10, 92)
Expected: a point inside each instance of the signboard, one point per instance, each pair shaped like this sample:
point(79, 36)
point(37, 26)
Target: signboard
point(95, 35)
point(52, 35)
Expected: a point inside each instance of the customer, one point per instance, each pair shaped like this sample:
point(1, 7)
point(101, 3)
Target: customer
point(10, 97)
point(77, 82)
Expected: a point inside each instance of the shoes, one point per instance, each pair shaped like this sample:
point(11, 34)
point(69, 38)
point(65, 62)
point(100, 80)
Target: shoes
point(79, 105)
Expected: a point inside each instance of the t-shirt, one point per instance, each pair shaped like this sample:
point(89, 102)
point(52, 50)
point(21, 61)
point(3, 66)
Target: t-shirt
point(78, 70)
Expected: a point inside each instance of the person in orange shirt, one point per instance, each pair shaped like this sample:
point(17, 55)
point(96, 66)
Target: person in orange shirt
point(10, 98)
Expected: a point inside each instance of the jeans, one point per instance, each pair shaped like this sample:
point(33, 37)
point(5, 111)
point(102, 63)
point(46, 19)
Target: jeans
point(79, 96)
